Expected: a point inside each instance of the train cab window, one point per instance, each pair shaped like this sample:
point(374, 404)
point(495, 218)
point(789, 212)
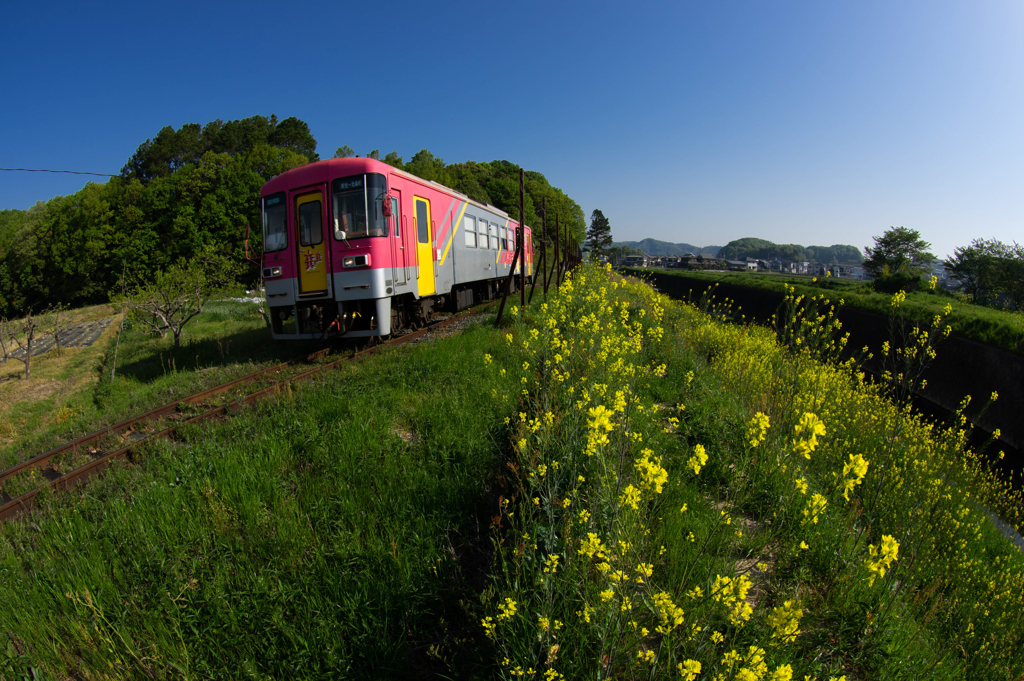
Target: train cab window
point(358, 206)
point(481, 231)
point(275, 226)
point(311, 229)
point(492, 232)
point(349, 196)
point(469, 229)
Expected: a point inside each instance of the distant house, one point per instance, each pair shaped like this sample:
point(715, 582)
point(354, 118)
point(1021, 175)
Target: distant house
point(635, 261)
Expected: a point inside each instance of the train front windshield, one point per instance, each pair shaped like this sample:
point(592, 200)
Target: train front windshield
point(358, 202)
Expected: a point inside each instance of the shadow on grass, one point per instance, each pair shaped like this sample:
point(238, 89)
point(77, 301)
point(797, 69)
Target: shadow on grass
point(151, 357)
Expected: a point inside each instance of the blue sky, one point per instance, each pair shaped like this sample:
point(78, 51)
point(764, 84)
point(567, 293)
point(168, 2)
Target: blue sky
point(799, 122)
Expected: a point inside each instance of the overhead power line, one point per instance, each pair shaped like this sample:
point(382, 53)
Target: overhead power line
point(70, 172)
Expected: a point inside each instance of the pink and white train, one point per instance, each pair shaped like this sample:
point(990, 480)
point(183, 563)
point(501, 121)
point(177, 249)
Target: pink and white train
point(354, 247)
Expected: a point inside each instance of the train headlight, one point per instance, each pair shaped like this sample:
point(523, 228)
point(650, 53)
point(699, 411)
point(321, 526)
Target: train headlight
point(271, 272)
point(355, 261)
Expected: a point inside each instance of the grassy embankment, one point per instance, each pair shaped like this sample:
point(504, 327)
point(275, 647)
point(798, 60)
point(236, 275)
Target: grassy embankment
point(635, 490)
point(74, 394)
point(1000, 328)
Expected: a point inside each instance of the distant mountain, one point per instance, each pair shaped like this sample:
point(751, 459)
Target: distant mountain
point(661, 248)
point(763, 249)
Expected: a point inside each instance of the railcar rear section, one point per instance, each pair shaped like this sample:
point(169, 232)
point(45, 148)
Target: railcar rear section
point(354, 247)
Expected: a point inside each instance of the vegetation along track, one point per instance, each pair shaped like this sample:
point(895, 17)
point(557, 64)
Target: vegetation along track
point(127, 429)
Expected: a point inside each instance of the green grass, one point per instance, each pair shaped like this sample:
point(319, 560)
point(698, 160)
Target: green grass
point(73, 395)
point(998, 328)
point(338, 533)
point(353, 527)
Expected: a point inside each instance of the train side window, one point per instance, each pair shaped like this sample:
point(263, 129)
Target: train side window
point(512, 240)
point(469, 229)
point(481, 230)
point(504, 239)
point(396, 217)
point(492, 232)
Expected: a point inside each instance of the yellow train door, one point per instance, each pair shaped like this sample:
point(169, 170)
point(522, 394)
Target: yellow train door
point(309, 222)
point(424, 247)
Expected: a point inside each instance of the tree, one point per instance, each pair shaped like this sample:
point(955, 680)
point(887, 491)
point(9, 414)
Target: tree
point(177, 295)
point(344, 151)
point(20, 333)
point(393, 159)
point(1010, 274)
point(975, 266)
point(898, 251)
point(599, 236)
point(293, 134)
point(57, 322)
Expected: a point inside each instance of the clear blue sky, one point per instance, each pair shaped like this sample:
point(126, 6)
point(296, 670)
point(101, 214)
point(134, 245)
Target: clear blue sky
point(799, 122)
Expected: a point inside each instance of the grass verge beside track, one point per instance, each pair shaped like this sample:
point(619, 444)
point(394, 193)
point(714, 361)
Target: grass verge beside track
point(614, 485)
point(338, 531)
point(1000, 328)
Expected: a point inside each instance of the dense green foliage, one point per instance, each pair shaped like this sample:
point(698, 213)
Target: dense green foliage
point(988, 269)
point(179, 194)
point(173, 149)
point(761, 249)
point(497, 183)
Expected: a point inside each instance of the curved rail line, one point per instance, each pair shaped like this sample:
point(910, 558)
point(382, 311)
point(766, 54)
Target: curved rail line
point(80, 475)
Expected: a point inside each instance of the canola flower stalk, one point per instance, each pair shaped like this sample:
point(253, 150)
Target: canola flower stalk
point(592, 478)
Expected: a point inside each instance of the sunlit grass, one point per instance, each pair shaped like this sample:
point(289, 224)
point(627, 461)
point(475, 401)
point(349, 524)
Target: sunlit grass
point(613, 484)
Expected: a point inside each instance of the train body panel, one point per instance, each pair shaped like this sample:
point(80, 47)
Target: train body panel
point(337, 262)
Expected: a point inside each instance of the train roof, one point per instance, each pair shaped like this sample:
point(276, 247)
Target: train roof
point(321, 171)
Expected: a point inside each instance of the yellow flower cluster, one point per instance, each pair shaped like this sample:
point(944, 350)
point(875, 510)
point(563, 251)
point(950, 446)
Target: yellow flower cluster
point(757, 429)
point(881, 557)
point(815, 507)
point(732, 593)
point(853, 473)
point(670, 615)
point(785, 621)
point(698, 460)
point(810, 428)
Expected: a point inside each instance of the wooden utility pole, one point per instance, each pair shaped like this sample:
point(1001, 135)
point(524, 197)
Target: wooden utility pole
point(521, 240)
point(539, 266)
point(558, 255)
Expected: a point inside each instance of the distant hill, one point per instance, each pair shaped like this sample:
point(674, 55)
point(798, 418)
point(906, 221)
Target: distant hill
point(763, 249)
point(661, 248)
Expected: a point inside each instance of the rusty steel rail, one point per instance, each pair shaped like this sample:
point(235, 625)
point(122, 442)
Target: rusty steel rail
point(82, 474)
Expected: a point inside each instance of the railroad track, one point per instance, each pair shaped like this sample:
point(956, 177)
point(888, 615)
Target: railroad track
point(127, 428)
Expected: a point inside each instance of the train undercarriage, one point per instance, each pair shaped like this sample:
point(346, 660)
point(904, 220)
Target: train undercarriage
point(330, 319)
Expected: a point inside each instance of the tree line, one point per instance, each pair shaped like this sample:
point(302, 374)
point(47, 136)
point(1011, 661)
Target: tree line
point(495, 183)
point(987, 270)
point(191, 191)
point(762, 249)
